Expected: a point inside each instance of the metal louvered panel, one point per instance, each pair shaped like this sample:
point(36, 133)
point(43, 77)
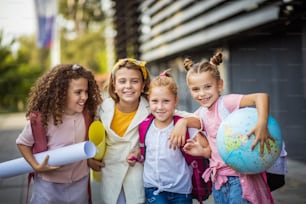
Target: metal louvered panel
point(126, 22)
point(181, 26)
point(221, 30)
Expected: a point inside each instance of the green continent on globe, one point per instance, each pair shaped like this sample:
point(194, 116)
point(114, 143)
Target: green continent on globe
point(235, 147)
point(232, 141)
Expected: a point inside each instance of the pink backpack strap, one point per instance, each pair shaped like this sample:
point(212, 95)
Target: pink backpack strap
point(88, 121)
point(40, 141)
point(39, 133)
point(200, 189)
point(142, 129)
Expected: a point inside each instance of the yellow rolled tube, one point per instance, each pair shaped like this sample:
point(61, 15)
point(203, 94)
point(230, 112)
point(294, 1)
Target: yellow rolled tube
point(96, 134)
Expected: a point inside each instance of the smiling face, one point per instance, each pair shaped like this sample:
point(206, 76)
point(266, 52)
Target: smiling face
point(162, 104)
point(128, 85)
point(204, 88)
point(77, 95)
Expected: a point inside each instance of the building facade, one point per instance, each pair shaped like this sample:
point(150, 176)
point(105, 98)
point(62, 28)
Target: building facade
point(264, 45)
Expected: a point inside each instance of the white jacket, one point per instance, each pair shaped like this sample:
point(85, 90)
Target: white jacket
point(117, 173)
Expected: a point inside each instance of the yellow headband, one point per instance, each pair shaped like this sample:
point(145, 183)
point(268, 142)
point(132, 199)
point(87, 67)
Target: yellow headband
point(139, 63)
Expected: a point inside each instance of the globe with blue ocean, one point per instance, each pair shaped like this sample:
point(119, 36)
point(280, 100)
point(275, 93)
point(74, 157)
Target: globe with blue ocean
point(234, 146)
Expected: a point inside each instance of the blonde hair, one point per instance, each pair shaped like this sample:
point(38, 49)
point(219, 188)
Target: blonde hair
point(49, 94)
point(210, 66)
point(128, 63)
point(164, 80)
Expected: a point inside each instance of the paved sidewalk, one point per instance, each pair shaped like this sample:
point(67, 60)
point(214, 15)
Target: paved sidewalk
point(13, 190)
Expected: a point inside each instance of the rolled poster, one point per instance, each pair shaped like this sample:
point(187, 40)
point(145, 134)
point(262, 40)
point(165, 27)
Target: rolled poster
point(57, 157)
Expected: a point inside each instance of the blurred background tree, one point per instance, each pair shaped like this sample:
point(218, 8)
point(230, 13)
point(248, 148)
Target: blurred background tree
point(82, 41)
point(82, 33)
point(18, 72)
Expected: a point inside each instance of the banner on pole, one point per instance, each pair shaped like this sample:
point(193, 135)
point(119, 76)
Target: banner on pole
point(46, 11)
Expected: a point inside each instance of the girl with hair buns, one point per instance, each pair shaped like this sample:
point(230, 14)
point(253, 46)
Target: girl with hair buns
point(166, 175)
point(205, 85)
point(60, 107)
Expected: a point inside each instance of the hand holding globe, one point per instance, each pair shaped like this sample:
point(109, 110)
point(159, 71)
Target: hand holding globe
point(235, 146)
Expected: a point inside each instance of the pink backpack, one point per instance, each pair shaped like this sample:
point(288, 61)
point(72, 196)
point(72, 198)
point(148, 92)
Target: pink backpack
point(40, 143)
point(200, 189)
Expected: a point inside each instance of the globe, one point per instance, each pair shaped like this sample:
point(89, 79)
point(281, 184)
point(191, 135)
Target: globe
point(234, 146)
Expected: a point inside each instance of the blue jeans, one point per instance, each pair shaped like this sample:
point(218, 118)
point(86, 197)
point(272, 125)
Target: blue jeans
point(165, 197)
point(230, 192)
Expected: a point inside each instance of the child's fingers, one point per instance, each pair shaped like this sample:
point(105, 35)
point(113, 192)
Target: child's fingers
point(45, 161)
point(132, 161)
point(173, 143)
point(44, 166)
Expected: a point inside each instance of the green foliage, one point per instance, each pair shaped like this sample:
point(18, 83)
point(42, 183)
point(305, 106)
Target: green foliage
point(81, 12)
point(19, 69)
point(84, 42)
point(17, 73)
point(87, 50)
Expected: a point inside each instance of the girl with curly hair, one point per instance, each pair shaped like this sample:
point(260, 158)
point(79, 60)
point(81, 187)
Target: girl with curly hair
point(64, 101)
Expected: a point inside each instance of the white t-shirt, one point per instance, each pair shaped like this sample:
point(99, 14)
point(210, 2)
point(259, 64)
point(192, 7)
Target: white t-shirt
point(165, 168)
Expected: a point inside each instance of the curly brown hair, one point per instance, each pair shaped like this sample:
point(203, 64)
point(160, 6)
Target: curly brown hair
point(49, 93)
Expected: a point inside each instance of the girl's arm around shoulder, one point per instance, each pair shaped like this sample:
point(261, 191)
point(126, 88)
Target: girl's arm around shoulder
point(178, 135)
point(262, 135)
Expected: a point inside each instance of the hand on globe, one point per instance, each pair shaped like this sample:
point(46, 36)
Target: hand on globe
point(236, 141)
point(262, 136)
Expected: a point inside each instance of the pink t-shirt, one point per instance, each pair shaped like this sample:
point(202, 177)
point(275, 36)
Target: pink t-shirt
point(211, 120)
point(253, 186)
point(71, 131)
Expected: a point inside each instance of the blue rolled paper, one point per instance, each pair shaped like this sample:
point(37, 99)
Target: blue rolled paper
point(57, 157)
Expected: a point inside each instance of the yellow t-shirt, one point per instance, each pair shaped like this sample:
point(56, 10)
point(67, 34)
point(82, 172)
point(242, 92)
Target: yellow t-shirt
point(121, 121)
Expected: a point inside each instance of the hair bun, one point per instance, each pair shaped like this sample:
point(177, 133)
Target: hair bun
point(216, 59)
point(188, 64)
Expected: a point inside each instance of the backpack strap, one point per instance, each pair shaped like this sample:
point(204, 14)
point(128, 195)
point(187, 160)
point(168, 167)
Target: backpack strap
point(39, 133)
point(40, 143)
point(192, 161)
point(143, 129)
point(88, 121)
